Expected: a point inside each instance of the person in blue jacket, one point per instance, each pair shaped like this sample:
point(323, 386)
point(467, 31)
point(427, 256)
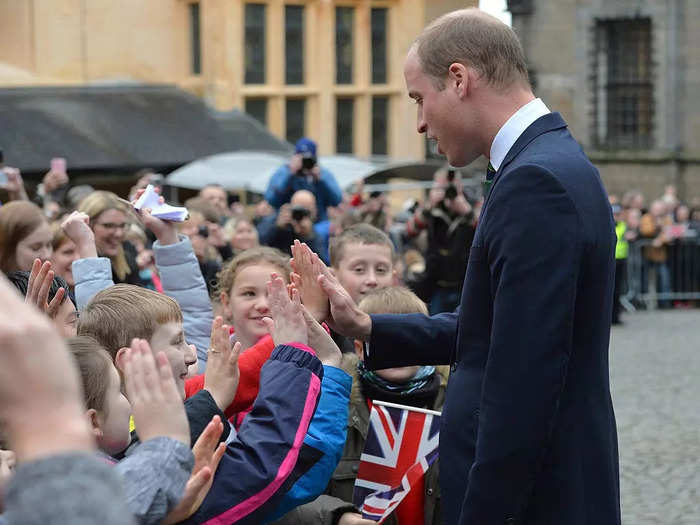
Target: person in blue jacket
point(304, 173)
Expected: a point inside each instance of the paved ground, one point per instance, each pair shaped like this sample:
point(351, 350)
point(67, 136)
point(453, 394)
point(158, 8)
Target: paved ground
point(655, 377)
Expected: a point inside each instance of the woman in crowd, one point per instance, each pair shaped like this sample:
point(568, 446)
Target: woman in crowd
point(241, 234)
point(109, 220)
point(25, 235)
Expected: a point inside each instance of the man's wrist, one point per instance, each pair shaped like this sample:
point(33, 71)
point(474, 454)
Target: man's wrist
point(365, 327)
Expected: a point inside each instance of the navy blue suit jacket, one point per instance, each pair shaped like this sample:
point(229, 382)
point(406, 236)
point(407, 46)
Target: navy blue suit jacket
point(528, 431)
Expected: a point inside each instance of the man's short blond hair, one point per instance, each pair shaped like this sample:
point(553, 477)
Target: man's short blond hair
point(474, 39)
point(393, 300)
point(122, 312)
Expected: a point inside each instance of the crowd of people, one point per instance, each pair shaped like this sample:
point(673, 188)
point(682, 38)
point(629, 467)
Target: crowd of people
point(665, 234)
point(221, 311)
point(227, 312)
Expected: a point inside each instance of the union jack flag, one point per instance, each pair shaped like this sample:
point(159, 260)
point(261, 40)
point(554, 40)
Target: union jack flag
point(402, 442)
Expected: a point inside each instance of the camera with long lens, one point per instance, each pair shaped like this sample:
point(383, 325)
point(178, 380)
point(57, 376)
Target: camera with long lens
point(299, 213)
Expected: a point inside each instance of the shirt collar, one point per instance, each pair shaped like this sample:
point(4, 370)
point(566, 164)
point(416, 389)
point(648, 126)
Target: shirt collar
point(513, 128)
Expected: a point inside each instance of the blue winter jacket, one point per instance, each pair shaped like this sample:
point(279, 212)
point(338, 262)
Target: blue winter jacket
point(284, 184)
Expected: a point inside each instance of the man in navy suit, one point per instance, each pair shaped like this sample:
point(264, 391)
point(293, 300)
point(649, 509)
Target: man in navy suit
point(528, 430)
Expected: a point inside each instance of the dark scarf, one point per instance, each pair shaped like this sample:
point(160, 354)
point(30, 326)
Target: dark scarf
point(419, 392)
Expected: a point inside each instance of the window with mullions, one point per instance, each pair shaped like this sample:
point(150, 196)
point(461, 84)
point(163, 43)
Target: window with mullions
point(343, 44)
point(344, 116)
point(254, 44)
point(294, 44)
point(379, 45)
point(623, 88)
point(296, 116)
point(380, 117)
point(257, 108)
point(195, 40)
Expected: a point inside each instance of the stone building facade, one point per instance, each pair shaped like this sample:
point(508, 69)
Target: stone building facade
point(625, 75)
point(329, 69)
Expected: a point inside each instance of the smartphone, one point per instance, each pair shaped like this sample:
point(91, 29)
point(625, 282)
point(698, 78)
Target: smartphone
point(58, 164)
point(3, 178)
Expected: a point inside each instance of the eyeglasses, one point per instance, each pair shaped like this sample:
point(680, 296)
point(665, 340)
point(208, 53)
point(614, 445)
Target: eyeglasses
point(112, 226)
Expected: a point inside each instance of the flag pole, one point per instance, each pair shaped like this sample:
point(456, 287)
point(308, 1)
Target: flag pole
point(404, 407)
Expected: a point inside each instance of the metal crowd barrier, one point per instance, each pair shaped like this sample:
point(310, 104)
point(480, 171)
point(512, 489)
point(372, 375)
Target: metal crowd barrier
point(646, 280)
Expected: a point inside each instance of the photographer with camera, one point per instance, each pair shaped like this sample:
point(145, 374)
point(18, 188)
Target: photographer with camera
point(295, 220)
point(449, 220)
point(304, 173)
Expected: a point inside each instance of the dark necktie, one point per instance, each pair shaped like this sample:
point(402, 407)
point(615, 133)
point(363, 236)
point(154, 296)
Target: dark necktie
point(490, 174)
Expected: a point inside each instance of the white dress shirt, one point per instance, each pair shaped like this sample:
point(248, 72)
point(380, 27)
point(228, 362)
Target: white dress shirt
point(513, 128)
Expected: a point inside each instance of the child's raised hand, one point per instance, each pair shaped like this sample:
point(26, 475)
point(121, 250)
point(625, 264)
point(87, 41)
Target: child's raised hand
point(208, 452)
point(321, 341)
point(288, 325)
point(345, 317)
point(305, 279)
point(222, 375)
point(37, 376)
point(165, 231)
point(155, 401)
point(38, 287)
point(77, 228)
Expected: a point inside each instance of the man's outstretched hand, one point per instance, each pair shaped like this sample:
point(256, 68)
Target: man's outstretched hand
point(345, 317)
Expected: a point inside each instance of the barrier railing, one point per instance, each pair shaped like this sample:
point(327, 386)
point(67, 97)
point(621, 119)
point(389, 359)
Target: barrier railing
point(651, 284)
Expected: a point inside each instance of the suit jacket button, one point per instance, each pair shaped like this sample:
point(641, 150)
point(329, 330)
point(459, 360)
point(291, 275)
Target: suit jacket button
point(429, 492)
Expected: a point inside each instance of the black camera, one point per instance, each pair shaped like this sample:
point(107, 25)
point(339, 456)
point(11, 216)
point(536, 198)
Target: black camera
point(299, 213)
point(451, 190)
point(308, 163)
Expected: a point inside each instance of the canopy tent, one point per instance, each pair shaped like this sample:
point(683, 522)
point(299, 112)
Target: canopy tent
point(252, 170)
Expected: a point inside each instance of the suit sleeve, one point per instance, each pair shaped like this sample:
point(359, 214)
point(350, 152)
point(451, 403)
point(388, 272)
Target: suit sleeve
point(411, 339)
point(533, 241)
point(263, 461)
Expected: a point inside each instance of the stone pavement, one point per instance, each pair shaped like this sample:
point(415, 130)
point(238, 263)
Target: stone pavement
point(655, 381)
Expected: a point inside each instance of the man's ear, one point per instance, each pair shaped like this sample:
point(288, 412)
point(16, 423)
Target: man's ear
point(359, 349)
point(94, 421)
point(395, 278)
point(458, 76)
point(119, 359)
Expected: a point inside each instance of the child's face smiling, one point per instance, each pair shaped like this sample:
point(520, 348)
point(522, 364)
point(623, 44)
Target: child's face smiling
point(247, 304)
point(170, 339)
point(365, 268)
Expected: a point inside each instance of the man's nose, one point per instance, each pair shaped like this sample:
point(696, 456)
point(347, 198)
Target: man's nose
point(422, 127)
